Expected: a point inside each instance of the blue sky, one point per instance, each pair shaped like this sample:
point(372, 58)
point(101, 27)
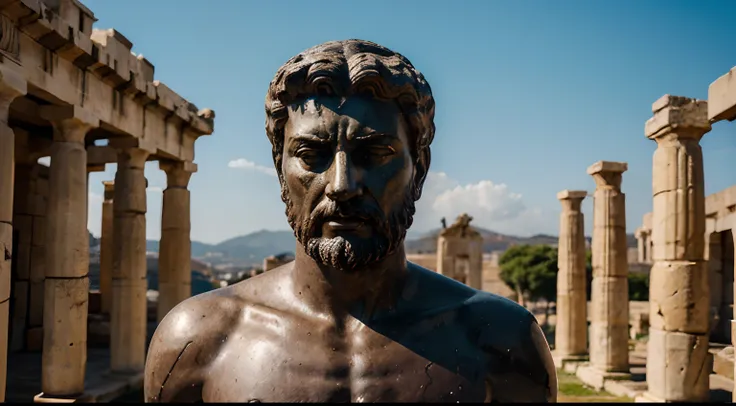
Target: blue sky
point(529, 94)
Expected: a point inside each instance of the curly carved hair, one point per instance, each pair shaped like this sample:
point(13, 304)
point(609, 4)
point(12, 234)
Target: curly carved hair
point(343, 68)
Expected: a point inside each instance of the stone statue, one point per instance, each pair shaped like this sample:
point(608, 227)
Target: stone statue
point(349, 320)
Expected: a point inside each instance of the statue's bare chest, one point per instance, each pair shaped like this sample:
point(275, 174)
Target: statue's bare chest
point(311, 365)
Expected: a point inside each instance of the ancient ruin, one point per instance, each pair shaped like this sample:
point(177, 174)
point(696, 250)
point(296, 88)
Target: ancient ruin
point(609, 326)
point(571, 328)
point(460, 252)
point(81, 97)
point(688, 239)
point(677, 356)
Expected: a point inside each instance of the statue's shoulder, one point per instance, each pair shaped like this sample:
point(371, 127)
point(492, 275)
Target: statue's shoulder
point(515, 344)
point(185, 341)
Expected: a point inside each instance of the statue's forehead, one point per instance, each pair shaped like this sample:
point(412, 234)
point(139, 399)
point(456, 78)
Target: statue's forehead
point(361, 112)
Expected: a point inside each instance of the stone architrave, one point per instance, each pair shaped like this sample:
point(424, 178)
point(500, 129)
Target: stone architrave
point(106, 248)
point(609, 320)
point(571, 326)
point(66, 286)
point(129, 283)
point(175, 269)
point(678, 364)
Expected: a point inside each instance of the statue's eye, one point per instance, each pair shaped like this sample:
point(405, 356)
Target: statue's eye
point(376, 154)
point(311, 156)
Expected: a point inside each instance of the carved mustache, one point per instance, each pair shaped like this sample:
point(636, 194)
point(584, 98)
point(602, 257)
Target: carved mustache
point(368, 212)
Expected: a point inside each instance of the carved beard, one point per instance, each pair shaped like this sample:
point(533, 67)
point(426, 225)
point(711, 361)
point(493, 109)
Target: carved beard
point(351, 253)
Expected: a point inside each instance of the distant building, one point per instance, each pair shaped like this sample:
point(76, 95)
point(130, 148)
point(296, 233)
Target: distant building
point(275, 261)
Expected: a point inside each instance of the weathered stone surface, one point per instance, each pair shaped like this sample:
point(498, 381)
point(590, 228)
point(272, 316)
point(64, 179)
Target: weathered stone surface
point(609, 327)
point(722, 97)
point(175, 251)
point(460, 253)
point(680, 299)
point(128, 310)
point(128, 325)
point(106, 248)
point(677, 366)
point(723, 362)
point(65, 336)
point(571, 325)
point(679, 285)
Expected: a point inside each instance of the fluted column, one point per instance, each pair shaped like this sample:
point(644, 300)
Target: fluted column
point(609, 325)
point(679, 293)
point(66, 286)
point(572, 325)
point(106, 248)
point(129, 284)
point(12, 85)
point(175, 252)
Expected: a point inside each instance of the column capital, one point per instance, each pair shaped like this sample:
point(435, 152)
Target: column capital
point(607, 174)
point(132, 157)
point(71, 123)
point(572, 195)
point(722, 98)
point(109, 189)
point(178, 173)
point(677, 117)
point(641, 232)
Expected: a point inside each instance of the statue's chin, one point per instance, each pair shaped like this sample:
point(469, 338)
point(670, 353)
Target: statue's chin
point(341, 254)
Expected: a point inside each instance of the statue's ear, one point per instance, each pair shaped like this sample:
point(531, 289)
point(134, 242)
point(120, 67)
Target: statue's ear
point(421, 168)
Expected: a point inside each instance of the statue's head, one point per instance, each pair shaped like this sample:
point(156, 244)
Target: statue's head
point(350, 123)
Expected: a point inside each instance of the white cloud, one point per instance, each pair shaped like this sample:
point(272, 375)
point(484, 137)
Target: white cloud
point(45, 161)
point(242, 163)
point(492, 205)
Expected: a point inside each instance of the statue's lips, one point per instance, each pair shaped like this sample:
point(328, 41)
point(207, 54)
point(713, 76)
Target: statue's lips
point(344, 223)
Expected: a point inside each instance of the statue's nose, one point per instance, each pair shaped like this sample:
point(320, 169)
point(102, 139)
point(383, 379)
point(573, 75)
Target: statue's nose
point(344, 185)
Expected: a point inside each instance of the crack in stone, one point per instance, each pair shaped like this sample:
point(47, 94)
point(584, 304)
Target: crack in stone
point(426, 372)
point(161, 391)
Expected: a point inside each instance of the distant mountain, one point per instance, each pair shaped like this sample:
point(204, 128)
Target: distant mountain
point(492, 241)
point(252, 248)
point(248, 249)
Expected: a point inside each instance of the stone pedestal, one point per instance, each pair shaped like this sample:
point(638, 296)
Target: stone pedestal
point(66, 286)
point(106, 248)
point(175, 269)
point(571, 326)
point(128, 311)
point(609, 326)
point(12, 85)
point(679, 296)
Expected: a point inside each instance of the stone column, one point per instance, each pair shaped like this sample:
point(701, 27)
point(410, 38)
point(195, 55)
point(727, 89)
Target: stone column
point(641, 245)
point(677, 357)
point(34, 335)
point(609, 325)
point(66, 286)
point(571, 338)
point(129, 284)
point(23, 235)
point(175, 266)
point(12, 85)
point(106, 248)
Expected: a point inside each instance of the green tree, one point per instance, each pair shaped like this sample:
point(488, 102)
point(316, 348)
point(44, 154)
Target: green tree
point(531, 270)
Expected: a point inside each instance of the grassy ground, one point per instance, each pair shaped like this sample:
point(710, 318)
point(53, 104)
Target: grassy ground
point(572, 390)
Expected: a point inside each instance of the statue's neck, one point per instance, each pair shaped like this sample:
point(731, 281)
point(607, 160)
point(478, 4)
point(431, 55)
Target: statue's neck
point(360, 292)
